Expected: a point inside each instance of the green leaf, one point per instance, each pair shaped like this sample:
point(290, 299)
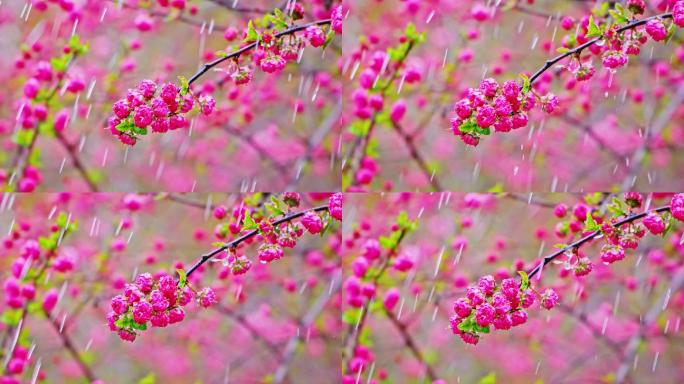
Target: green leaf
point(149, 379)
point(391, 241)
point(125, 126)
point(252, 34)
point(359, 128)
point(24, 137)
point(489, 379)
point(524, 280)
point(413, 35)
point(618, 17)
point(616, 208)
point(184, 85)
point(590, 224)
point(593, 30)
point(562, 49)
point(527, 84)
point(249, 223)
point(182, 278)
point(11, 317)
point(351, 316)
point(278, 19)
point(670, 32)
point(468, 126)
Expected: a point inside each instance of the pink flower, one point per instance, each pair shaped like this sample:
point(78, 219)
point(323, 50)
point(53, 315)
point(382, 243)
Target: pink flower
point(485, 116)
point(677, 206)
point(678, 14)
point(462, 308)
point(61, 120)
point(50, 300)
point(489, 87)
point(208, 103)
point(315, 36)
point(463, 109)
point(144, 22)
point(391, 298)
point(207, 297)
point(337, 200)
point(518, 317)
point(470, 338)
point(119, 305)
point(487, 284)
point(612, 253)
point(656, 29)
point(480, 12)
point(614, 59)
point(549, 298)
point(654, 223)
point(312, 222)
point(126, 335)
point(142, 312)
point(272, 63)
point(484, 315)
point(560, 210)
point(143, 116)
point(121, 109)
point(398, 110)
point(31, 88)
point(176, 315)
point(336, 17)
point(269, 252)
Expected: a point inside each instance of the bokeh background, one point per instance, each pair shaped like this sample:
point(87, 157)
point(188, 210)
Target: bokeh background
point(255, 141)
point(279, 320)
point(598, 330)
point(614, 131)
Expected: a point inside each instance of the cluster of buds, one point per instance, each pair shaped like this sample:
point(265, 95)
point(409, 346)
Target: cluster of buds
point(618, 238)
point(274, 51)
point(501, 305)
point(158, 108)
point(158, 301)
point(502, 108)
point(273, 239)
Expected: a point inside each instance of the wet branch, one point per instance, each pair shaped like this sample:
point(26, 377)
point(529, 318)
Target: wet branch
point(234, 243)
point(292, 30)
point(577, 50)
point(69, 345)
point(411, 344)
point(591, 236)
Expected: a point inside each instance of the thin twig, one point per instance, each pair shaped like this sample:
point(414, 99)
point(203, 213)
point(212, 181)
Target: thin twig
point(248, 47)
point(591, 236)
point(418, 157)
point(577, 50)
point(234, 243)
point(411, 344)
point(69, 344)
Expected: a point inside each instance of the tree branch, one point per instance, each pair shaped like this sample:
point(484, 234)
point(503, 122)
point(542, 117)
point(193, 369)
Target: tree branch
point(292, 30)
point(234, 243)
point(591, 236)
point(577, 50)
point(411, 344)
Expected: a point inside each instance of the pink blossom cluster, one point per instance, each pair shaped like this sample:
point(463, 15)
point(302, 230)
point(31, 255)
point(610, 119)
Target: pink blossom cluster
point(620, 45)
point(157, 300)
point(159, 108)
point(501, 305)
point(273, 238)
point(618, 239)
point(17, 365)
point(335, 204)
point(273, 53)
point(502, 107)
